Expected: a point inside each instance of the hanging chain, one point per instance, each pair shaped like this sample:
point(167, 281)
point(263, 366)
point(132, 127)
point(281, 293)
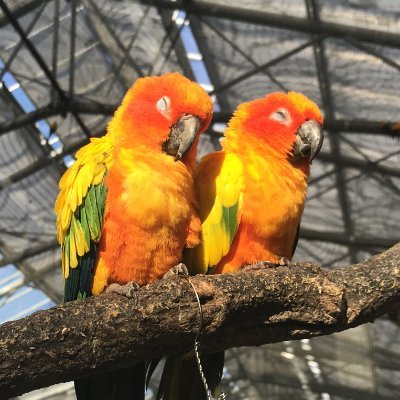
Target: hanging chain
point(222, 396)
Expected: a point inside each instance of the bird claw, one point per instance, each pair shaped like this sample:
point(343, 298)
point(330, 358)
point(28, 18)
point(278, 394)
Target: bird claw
point(258, 266)
point(178, 270)
point(283, 262)
point(128, 290)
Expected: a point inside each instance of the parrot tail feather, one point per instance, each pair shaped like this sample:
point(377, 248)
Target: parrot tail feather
point(122, 384)
point(181, 380)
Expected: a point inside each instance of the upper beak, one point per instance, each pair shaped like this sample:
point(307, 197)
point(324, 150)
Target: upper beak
point(309, 140)
point(182, 136)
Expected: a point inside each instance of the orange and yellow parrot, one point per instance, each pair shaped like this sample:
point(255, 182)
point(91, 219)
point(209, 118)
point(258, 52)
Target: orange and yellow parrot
point(251, 197)
point(126, 208)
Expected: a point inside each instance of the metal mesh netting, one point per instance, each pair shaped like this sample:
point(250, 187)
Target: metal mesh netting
point(64, 67)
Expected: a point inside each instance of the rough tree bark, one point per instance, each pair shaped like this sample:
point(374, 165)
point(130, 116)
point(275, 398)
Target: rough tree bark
point(249, 308)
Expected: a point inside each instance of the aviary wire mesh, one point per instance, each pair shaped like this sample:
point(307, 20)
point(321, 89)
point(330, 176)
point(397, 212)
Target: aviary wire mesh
point(65, 65)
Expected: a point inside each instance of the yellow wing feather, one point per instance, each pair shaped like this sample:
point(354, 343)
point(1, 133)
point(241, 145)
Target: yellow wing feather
point(92, 162)
point(218, 183)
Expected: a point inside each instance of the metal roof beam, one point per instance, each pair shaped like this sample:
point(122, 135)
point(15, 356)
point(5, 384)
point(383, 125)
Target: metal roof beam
point(207, 59)
point(20, 44)
point(74, 106)
point(173, 37)
point(45, 162)
point(390, 128)
point(39, 165)
point(359, 242)
point(337, 390)
point(346, 125)
point(56, 29)
point(39, 276)
point(39, 59)
point(357, 163)
point(21, 11)
point(234, 46)
point(30, 252)
point(32, 49)
point(111, 43)
point(369, 50)
point(173, 31)
point(117, 68)
point(72, 49)
point(33, 131)
point(282, 21)
point(263, 67)
point(325, 88)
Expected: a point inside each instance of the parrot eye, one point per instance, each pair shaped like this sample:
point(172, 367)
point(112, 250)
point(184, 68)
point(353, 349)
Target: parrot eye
point(163, 104)
point(281, 115)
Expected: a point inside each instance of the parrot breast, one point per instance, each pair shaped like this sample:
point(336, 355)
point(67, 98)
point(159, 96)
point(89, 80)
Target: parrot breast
point(148, 211)
point(274, 192)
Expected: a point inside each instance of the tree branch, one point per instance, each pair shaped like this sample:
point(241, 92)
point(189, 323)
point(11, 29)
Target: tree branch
point(250, 308)
point(82, 106)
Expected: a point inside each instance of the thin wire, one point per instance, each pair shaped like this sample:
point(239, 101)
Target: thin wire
point(266, 72)
point(173, 41)
point(222, 396)
point(128, 49)
point(20, 44)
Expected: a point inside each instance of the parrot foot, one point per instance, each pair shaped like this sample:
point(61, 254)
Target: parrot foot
point(178, 270)
point(259, 265)
point(284, 262)
point(128, 290)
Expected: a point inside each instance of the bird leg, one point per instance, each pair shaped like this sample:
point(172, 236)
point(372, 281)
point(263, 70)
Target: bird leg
point(283, 262)
point(178, 270)
point(128, 290)
point(258, 266)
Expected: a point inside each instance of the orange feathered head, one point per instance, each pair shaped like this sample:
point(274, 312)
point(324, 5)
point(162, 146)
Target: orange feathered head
point(162, 113)
point(290, 124)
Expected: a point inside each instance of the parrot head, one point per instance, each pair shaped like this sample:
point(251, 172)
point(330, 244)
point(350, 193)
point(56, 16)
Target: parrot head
point(290, 124)
point(163, 114)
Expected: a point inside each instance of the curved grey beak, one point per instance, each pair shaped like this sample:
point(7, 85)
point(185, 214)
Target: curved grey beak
point(309, 140)
point(182, 136)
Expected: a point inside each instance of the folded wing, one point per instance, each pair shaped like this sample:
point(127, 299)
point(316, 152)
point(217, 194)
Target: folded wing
point(218, 184)
point(80, 212)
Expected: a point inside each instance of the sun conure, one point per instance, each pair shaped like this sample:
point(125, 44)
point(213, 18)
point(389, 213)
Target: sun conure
point(126, 208)
point(251, 197)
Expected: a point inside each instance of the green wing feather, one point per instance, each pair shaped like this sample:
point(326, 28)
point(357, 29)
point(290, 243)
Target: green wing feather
point(80, 209)
point(90, 216)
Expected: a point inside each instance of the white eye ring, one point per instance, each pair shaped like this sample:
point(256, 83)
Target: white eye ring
point(281, 115)
point(163, 104)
